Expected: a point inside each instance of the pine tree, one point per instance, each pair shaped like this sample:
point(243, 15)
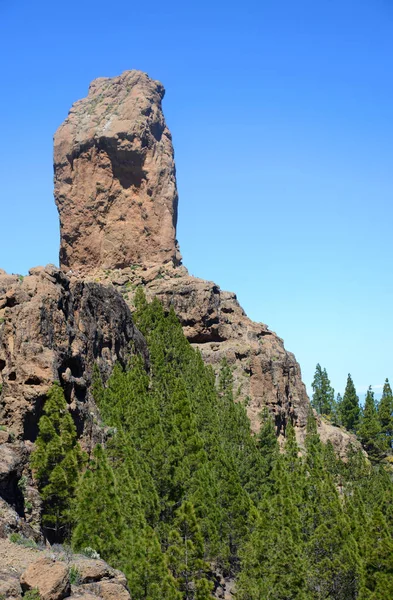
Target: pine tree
point(379, 558)
point(145, 566)
point(350, 408)
point(274, 563)
point(57, 462)
point(385, 415)
point(186, 555)
point(370, 428)
point(98, 518)
point(268, 447)
point(323, 396)
point(337, 411)
point(335, 568)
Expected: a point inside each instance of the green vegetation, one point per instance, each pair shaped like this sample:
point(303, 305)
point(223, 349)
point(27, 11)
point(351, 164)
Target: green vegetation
point(57, 462)
point(74, 575)
point(349, 407)
point(323, 394)
point(33, 594)
point(372, 423)
point(17, 538)
point(180, 489)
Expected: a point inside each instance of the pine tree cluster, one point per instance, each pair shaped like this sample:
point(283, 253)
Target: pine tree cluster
point(373, 423)
point(182, 491)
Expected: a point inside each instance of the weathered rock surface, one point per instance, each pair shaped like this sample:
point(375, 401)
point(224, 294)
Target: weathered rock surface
point(9, 585)
point(265, 373)
point(115, 184)
point(213, 321)
point(115, 188)
point(56, 329)
point(49, 577)
point(52, 328)
point(49, 571)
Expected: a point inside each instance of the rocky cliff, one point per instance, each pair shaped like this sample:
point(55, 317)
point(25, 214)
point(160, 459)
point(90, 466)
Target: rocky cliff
point(115, 189)
point(52, 329)
point(115, 184)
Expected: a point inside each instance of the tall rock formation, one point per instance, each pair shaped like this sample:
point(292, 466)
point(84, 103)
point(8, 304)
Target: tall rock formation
point(115, 189)
point(115, 184)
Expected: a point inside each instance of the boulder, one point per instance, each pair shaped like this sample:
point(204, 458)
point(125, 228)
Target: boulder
point(51, 578)
point(9, 585)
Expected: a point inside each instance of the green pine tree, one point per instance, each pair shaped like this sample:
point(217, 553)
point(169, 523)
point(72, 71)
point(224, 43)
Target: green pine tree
point(274, 563)
point(186, 555)
point(334, 564)
point(57, 462)
point(98, 518)
point(349, 407)
point(385, 415)
point(323, 393)
point(370, 428)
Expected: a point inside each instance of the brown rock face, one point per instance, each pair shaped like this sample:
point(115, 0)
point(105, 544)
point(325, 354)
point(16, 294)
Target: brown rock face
point(265, 373)
point(51, 329)
point(115, 184)
point(50, 578)
point(49, 571)
point(115, 189)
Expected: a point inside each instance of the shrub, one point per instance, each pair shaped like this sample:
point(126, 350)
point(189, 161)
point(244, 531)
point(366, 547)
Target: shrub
point(75, 575)
point(90, 553)
point(17, 538)
point(33, 594)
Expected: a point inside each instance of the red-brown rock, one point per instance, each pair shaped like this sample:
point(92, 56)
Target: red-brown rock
point(49, 577)
point(115, 184)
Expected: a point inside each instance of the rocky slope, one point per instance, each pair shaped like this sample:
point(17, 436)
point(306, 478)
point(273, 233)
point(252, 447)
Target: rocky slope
point(115, 184)
point(52, 328)
point(115, 189)
point(57, 574)
point(265, 373)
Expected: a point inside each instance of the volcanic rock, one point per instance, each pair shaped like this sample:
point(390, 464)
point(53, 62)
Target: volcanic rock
point(50, 578)
point(56, 329)
point(115, 184)
point(115, 188)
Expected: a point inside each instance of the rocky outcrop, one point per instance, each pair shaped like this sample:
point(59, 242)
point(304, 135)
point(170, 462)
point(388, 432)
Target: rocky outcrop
point(52, 328)
point(49, 577)
point(265, 373)
point(115, 189)
point(115, 184)
point(57, 574)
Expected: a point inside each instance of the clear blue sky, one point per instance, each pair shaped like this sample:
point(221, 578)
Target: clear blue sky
point(282, 119)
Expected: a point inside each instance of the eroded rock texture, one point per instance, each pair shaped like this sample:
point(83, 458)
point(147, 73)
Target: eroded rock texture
point(115, 184)
point(115, 189)
point(52, 329)
point(49, 571)
point(265, 373)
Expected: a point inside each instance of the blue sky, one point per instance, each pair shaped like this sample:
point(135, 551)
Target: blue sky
point(281, 114)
